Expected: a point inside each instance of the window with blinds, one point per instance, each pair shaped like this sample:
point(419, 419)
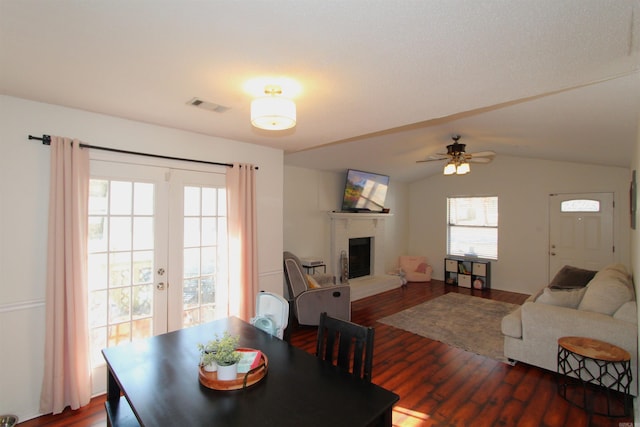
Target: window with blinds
point(472, 226)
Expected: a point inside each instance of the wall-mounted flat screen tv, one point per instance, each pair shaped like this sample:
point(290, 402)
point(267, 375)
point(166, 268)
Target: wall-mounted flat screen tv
point(364, 191)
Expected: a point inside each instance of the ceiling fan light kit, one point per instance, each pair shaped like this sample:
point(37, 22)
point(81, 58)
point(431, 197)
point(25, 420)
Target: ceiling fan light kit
point(463, 168)
point(450, 168)
point(273, 111)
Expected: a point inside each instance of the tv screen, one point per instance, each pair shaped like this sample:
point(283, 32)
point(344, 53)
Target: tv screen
point(364, 191)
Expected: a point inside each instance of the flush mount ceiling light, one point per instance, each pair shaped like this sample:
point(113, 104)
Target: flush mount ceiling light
point(273, 111)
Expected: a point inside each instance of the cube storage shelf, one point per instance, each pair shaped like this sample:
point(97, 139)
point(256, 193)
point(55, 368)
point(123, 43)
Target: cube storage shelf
point(467, 273)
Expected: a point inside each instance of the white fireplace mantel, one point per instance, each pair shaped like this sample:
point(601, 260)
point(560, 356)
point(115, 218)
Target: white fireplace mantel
point(361, 215)
point(347, 225)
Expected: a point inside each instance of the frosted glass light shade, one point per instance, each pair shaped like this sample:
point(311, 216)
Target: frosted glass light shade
point(450, 169)
point(463, 168)
point(273, 113)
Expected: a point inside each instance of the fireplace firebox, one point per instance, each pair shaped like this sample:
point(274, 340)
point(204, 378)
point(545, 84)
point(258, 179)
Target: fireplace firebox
point(359, 257)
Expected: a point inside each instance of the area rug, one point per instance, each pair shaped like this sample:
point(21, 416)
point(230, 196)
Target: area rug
point(463, 321)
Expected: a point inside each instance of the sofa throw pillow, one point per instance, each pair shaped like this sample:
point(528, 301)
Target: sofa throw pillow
point(619, 268)
point(422, 267)
point(312, 283)
point(570, 277)
point(605, 294)
point(628, 312)
point(569, 298)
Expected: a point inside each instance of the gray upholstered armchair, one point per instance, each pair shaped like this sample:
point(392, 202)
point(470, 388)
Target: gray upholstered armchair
point(308, 302)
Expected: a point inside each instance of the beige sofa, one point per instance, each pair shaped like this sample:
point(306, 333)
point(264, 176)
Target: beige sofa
point(604, 309)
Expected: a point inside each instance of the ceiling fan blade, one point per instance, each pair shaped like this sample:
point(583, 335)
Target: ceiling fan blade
point(483, 154)
point(480, 159)
point(432, 160)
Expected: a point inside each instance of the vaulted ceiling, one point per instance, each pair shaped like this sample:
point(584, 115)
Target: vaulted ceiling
point(384, 83)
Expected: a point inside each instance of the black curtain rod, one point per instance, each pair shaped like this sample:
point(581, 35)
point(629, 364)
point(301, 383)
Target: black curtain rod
point(46, 140)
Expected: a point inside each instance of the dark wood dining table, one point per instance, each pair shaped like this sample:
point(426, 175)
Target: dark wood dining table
point(154, 382)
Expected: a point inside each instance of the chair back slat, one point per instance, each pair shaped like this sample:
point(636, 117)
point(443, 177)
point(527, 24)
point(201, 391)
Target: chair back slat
point(354, 352)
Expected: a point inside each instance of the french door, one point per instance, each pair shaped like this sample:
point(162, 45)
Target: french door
point(157, 253)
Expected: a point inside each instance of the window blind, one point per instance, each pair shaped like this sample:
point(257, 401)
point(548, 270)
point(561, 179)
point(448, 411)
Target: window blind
point(472, 226)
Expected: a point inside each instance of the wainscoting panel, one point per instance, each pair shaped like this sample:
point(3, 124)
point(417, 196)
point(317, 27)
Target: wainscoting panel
point(22, 357)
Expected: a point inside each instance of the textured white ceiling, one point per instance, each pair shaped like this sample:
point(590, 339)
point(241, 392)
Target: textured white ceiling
point(395, 79)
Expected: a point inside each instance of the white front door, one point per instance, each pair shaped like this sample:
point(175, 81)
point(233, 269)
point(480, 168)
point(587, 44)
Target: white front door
point(157, 253)
point(580, 231)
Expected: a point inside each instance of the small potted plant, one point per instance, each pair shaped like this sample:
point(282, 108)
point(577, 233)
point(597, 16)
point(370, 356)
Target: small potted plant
point(221, 352)
point(207, 353)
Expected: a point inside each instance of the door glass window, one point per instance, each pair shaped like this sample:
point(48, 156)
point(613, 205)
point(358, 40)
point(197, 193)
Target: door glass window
point(580, 205)
point(204, 253)
point(120, 260)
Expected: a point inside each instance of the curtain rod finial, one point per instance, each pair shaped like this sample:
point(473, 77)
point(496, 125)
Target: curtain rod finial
point(46, 139)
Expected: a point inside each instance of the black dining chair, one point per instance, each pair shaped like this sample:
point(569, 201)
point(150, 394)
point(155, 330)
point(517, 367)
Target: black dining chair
point(354, 346)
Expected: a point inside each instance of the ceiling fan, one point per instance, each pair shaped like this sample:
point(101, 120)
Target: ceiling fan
point(458, 159)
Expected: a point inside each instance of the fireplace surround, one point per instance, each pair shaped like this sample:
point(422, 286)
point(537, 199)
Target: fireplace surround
point(345, 226)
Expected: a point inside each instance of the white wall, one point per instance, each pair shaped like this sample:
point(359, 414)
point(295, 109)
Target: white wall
point(523, 187)
point(635, 243)
point(24, 169)
point(308, 197)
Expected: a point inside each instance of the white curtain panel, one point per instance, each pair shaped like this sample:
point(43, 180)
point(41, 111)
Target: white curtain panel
point(243, 242)
point(67, 377)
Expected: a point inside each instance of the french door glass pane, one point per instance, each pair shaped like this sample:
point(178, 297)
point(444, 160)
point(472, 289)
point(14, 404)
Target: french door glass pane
point(202, 220)
point(121, 262)
point(120, 198)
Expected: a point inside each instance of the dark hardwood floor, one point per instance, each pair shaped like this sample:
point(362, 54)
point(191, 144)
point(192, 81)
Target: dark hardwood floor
point(438, 385)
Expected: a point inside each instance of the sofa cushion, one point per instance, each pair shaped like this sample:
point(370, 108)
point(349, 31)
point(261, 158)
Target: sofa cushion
point(606, 292)
point(569, 298)
point(571, 277)
point(620, 273)
point(628, 312)
point(617, 268)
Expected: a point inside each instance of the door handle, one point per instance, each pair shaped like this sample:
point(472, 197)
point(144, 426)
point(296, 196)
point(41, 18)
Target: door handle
point(160, 286)
point(553, 254)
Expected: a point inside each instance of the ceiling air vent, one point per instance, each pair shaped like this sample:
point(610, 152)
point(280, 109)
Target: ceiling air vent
point(201, 103)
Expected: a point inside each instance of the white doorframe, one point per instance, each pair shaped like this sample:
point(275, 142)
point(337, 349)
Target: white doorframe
point(158, 171)
point(581, 237)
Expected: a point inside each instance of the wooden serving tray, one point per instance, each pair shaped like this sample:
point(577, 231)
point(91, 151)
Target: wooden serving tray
point(210, 379)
